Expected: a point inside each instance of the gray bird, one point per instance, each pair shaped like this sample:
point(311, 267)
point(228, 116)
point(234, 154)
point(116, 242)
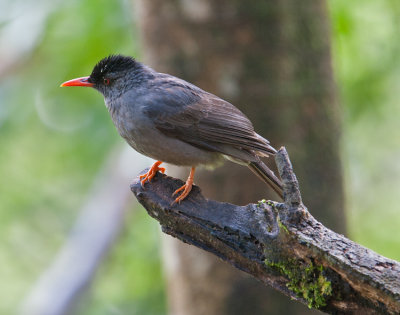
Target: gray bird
point(173, 121)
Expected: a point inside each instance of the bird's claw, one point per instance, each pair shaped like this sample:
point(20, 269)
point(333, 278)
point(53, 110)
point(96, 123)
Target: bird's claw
point(151, 173)
point(186, 190)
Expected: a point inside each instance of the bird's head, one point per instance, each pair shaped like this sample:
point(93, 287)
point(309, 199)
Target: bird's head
point(111, 76)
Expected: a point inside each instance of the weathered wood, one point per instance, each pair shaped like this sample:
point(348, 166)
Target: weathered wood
point(280, 244)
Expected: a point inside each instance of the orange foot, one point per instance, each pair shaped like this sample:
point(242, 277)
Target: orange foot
point(151, 173)
point(186, 188)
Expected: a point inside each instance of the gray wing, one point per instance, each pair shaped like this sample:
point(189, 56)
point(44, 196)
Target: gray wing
point(204, 120)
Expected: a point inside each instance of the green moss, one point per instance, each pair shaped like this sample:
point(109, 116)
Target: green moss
point(268, 202)
point(282, 226)
point(307, 281)
point(261, 202)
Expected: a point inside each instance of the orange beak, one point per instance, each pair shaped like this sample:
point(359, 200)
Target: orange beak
point(78, 82)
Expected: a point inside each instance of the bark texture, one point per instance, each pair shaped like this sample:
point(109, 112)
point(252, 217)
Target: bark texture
point(272, 60)
point(282, 245)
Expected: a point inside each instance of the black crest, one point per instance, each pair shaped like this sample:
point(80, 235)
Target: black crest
point(112, 64)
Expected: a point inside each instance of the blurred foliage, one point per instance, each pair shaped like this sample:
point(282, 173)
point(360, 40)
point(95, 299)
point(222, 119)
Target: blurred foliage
point(367, 50)
point(53, 142)
point(130, 281)
point(366, 54)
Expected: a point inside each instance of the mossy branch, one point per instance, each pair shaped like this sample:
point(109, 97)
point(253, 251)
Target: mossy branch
point(280, 244)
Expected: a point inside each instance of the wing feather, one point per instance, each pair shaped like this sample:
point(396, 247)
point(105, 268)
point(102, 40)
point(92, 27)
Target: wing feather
point(190, 114)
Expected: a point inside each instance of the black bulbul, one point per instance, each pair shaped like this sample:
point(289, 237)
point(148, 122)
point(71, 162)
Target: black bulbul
point(174, 121)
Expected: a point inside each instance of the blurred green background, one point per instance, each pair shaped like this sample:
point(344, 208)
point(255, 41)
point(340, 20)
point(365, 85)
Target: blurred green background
point(54, 142)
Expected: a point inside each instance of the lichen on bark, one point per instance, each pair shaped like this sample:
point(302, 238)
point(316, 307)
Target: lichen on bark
point(307, 280)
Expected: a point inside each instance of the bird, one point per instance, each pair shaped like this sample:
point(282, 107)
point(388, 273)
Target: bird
point(173, 121)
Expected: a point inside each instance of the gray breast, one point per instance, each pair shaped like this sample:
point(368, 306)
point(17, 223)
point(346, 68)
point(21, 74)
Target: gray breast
point(139, 132)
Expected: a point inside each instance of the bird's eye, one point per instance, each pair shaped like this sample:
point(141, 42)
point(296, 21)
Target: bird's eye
point(106, 81)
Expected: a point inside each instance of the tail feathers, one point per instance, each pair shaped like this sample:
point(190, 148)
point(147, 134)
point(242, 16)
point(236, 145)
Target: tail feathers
point(268, 176)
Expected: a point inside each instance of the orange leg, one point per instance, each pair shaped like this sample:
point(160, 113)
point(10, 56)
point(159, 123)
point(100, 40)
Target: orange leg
point(186, 188)
point(151, 173)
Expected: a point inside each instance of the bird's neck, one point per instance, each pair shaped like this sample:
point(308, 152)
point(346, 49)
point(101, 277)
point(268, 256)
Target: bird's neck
point(141, 74)
point(113, 106)
point(138, 77)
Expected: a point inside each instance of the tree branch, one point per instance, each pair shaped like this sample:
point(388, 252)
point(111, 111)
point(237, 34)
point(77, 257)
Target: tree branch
point(280, 244)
